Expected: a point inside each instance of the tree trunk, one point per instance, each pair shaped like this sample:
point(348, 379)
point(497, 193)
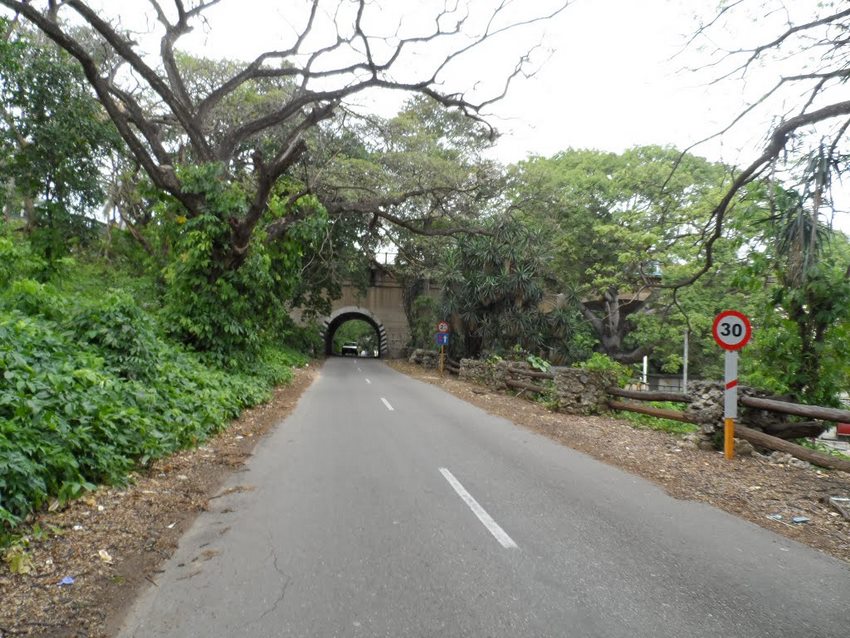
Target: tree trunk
point(29, 213)
point(613, 326)
point(675, 397)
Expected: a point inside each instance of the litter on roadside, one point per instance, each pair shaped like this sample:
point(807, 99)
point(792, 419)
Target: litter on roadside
point(841, 505)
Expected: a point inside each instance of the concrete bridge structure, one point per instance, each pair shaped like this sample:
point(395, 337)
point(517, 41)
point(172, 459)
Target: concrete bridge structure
point(382, 306)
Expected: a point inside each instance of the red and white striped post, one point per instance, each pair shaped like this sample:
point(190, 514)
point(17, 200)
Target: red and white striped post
point(730, 403)
point(732, 331)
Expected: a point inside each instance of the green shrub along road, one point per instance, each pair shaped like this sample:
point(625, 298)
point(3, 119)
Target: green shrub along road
point(91, 387)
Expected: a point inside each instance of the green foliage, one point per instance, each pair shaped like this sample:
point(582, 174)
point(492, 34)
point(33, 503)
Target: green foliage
point(54, 139)
point(617, 225)
point(603, 363)
point(357, 331)
point(307, 338)
point(423, 318)
point(219, 311)
point(90, 389)
point(795, 280)
point(16, 258)
point(225, 310)
point(817, 446)
point(495, 285)
point(121, 332)
point(538, 363)
point(648, 422)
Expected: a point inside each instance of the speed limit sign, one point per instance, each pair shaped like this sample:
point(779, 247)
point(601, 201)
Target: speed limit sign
point(731, 330)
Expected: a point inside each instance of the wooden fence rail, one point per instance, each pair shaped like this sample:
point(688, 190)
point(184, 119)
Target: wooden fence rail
point(748, 434)
point(661, 413)
point(797, 409)
point(771, 442)
point(531, 387)
point(642, 395)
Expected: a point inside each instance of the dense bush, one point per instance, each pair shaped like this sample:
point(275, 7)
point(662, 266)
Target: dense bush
point(90, 389)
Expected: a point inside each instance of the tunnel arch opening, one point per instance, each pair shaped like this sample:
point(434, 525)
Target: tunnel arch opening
point(352, 313)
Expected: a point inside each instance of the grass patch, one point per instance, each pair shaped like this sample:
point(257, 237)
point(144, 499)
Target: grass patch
point(823, 448)
point(647, 422)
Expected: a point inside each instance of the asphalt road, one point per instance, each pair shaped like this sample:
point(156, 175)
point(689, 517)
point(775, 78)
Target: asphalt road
point(385, 507)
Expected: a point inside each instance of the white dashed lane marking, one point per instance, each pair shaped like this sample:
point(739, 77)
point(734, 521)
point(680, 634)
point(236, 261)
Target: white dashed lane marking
point(492, 526)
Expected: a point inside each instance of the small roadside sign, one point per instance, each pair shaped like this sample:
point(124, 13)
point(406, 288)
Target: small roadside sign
point(442, 338)
point(443, 326)
point(732, 331)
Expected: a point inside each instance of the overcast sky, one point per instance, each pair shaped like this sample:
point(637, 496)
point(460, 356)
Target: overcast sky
point(612, 78)
point(609, 75)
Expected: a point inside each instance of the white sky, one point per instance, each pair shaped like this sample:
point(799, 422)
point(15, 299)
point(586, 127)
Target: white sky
point(610, 82)
point(611, 78)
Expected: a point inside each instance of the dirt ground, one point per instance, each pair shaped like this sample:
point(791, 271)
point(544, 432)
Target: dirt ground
point(112, 542)
point(750, 487)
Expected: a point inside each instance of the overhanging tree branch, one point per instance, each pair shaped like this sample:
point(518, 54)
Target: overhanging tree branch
point(778, 140)
point(810, 54)
point(166, 121)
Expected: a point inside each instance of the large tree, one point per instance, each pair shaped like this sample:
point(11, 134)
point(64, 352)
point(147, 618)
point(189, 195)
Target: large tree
point(495, 291)
point(795, 276)
point(619, 225)
point(54, 141)
point(166, 121)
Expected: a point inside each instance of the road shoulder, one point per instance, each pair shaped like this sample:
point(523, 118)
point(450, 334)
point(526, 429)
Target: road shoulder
point(109, 545)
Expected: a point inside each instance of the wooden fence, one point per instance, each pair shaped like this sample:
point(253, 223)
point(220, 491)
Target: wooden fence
point(748, 434)
point(452, 366)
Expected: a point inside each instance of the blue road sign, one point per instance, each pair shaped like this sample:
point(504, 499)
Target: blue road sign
point(442, 338)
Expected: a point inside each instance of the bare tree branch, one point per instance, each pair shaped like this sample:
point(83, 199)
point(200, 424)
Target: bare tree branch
point(164, 120)
point(778, 140)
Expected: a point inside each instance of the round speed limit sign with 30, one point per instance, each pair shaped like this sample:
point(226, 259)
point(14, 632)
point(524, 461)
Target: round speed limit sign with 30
point(731, 330)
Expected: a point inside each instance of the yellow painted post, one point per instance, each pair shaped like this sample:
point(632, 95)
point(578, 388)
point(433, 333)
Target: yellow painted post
point(729, 438)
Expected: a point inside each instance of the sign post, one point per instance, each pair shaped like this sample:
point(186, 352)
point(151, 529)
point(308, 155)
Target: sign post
point(731, 331)
point(442, 338)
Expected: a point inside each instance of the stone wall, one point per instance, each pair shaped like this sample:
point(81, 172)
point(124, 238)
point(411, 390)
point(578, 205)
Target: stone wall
point(491, 374)
point(707, 407)
point(576, 391)
point(425, 358)
point(582, 391)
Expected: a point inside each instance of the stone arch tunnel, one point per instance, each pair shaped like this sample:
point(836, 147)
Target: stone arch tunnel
point(380, 304)
point(347, 313)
